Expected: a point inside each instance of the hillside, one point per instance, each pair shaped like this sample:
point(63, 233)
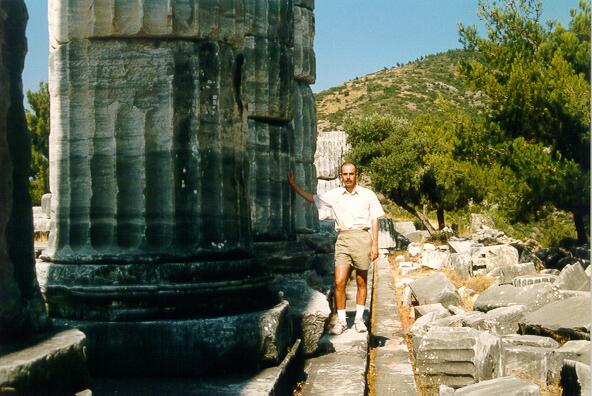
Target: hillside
point(405, 91)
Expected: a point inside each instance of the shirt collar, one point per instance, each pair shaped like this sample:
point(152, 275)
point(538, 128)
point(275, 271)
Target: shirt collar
point(356, 191)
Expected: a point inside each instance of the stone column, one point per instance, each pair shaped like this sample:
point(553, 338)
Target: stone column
point(305, 121)
point(155, 105)
point(21, 309)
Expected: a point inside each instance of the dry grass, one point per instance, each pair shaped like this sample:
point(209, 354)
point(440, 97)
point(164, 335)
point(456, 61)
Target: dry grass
point(40, 236)
point(371, 372)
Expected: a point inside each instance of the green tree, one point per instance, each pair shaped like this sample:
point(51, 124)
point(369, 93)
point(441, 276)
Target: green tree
point(38, 123)
point(415, 164)
point(537, 78)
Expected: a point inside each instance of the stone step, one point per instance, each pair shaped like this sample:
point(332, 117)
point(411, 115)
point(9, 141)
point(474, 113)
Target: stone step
point(277, 380)
point(51, 362)
point(394, 374)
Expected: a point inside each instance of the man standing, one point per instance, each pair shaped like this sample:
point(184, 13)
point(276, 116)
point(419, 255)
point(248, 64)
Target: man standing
point(356, 211)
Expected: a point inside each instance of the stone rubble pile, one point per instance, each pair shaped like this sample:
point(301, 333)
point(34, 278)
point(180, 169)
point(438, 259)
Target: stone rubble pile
point(532, 322)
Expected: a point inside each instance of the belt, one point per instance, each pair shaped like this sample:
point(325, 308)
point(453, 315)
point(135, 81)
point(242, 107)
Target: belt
point(354, 230)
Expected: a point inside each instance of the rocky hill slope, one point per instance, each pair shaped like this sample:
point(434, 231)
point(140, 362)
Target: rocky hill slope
point(402, 90)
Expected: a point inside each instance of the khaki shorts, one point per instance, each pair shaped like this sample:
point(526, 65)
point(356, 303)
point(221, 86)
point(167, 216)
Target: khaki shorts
point(353, 248)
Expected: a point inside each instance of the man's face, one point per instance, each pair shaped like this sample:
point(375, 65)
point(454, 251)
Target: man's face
point(348, 175)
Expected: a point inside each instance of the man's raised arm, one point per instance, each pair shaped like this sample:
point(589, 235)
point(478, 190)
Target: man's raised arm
point(304, 194)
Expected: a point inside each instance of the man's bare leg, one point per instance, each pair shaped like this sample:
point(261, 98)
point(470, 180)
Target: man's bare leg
point(342, 272)
point(361, 280)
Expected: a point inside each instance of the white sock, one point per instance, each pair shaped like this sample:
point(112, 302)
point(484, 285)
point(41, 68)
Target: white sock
point(360, 311)
point(341, 315)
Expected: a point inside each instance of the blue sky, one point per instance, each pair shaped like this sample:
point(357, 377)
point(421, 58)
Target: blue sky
point(353, 37)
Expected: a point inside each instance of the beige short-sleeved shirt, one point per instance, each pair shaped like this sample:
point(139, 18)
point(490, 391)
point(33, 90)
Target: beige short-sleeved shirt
point(351, 211)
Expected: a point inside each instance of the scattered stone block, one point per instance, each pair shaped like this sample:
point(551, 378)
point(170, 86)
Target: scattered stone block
point(575, 378)
point(573, 277)
point(433, 257)
point(465, 292)
point(529, 360)
point(414, 249)
point(529, 340)
point(527, 280)
point(404, 227)
point(407, 267)
point(550, 271)
point(309, 310)
point(407, 297)
point(461, 264)
point(494, 256)
point(456, 310)
point(508, 273)
point(569, 318)
point(588, 270)
point(461, 246)
point(436, 288)
point(503, 320)
point(456, 356)
point(417, 236)
point(53, 363)
point(507, 386)
point(533, 297)
point(445, 390)
point(577, 350)
point(438, 308)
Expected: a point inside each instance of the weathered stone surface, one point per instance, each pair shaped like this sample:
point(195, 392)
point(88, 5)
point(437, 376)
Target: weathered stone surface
point(508, 273)
point(573, 277)
point(304, 125)
point(417, 236)
point(434, 257)
point(331, 148)
point(578, 351)
point(304, 56)
point(461, 264)
point(438, 308)
point(533, 297)
point(503, 320)
point(461, 246)
point(310, 4)
point(190, 347)
point(532, 361)
point(435, 288)
point(529, 340)
point(309, 310)
point(387, 236)
point(456, 356)
point(131, 96)
point(404, 227)
point(52, 362)
point(494, 256)
point(526, 280)
point(21, 309)
point(510, 386)
point(575, 378)
point(46, 205)
point(393, 370)
point(194, 19)
point(268, 85)
point(269, 151)
point(568, 318)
